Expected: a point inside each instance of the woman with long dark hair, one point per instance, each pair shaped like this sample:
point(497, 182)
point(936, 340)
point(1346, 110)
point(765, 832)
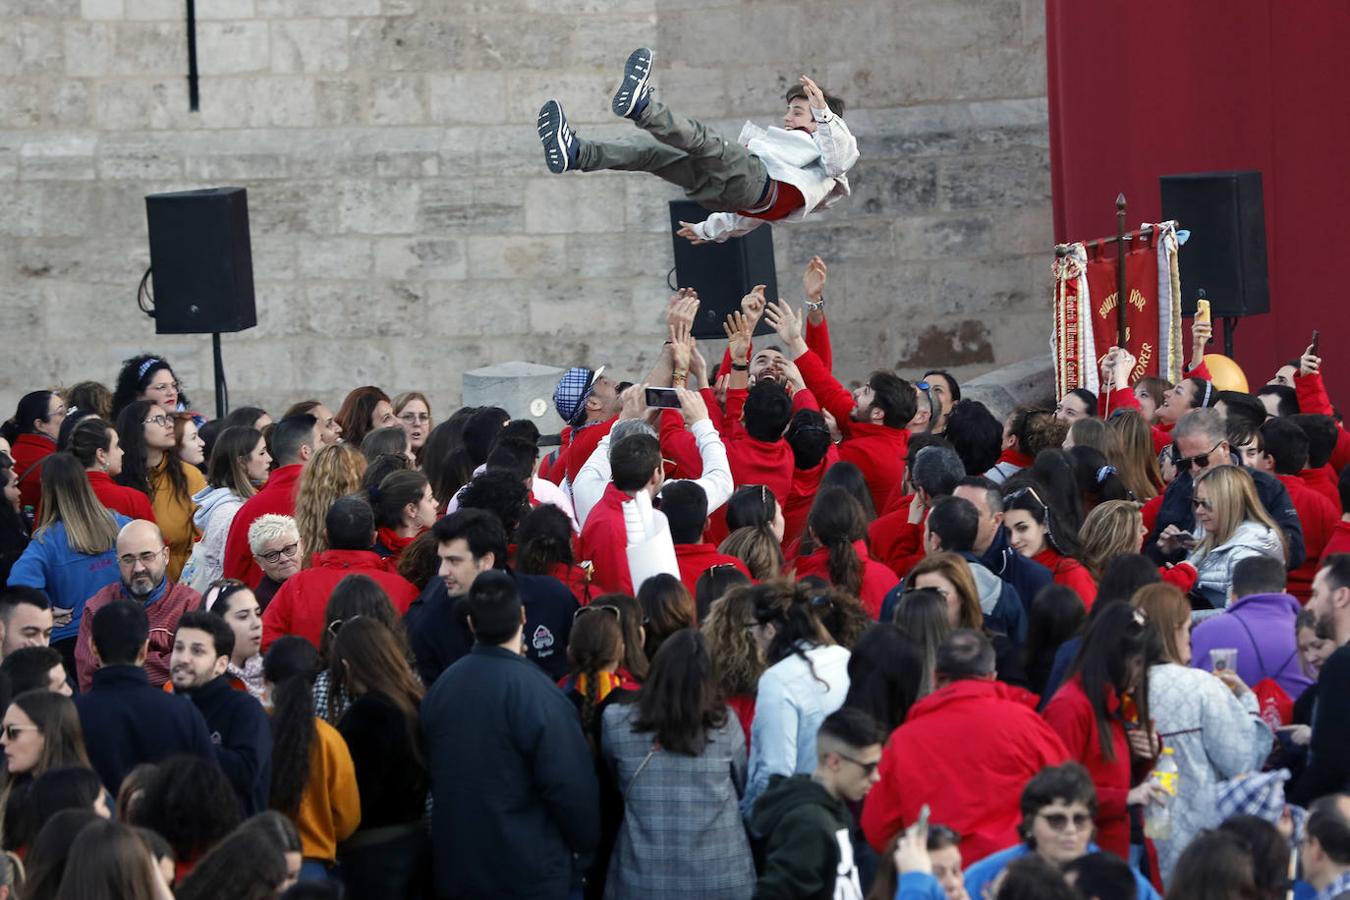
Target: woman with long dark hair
point(837, 526)
point(73, 552)
point(678, 757)
point(247, 865)
point(391, 440)
point(41, 732)
point(404, 507)
point(239, 464)
point(190, 802)
point(755, 506)
point(355, 597)
point(1038, 532)
point(885, 673)
point(313, 777)
point(388, 855)
point(635, 662)
point(150, 465)
point(32, 435)
point(806, 680)
point(1102, 714)
point(13, 528)
point(440, 456)
point(234, 602)
point(110, 861)
point(666, 608)
point(364, 409)
point(1056, 615)
point(95, 444)
point(1099, 480)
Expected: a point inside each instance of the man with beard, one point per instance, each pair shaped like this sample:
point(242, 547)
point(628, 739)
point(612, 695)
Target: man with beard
point(142, 562)
point(240, 731)
point(1328, 770)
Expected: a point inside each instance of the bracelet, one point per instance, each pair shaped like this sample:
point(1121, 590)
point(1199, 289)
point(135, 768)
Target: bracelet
point(740, 367)
point(679, 376)
point(817, 306)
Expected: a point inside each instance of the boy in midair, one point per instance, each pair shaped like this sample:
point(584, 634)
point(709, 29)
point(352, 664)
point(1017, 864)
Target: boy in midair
point(769, 175)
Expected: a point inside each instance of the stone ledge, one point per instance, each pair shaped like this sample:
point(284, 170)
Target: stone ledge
point(1028, 381)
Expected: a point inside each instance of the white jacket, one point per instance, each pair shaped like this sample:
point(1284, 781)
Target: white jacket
point(1215, 568)
point(815, 164)
point(216, 508)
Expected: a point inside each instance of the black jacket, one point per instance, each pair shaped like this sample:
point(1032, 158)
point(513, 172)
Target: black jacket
point(512, 779)
point(390, 774)
point(1328, 770)
point(127, 722)
point(1027, 575)
point(438, 626)
point(1176, 510)
point(242, 735)
point(804, 830)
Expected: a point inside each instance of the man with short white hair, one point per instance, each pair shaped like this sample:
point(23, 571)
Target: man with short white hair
point(142, 562)
point(274, 541)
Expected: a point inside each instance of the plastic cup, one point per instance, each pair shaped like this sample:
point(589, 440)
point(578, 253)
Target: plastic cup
point(1223, 659)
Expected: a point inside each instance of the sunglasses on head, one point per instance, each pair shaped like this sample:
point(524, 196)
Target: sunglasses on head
point(1200, 461)
point(618, 615)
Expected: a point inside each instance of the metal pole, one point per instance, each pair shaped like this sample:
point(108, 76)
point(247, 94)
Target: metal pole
point(1121, 328)
point(219, 364)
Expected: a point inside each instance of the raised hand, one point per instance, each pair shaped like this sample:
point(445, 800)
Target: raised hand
point(752, 305)
point(698, 366)
point(792, 376)
point(739, 330)
point(682, 309)
point(1309, 363)
point(813, 279)
point(692, 405)
point(783, 320)
point(687, 232)
point(814, 94)
point(681, 346)
point(634, 399)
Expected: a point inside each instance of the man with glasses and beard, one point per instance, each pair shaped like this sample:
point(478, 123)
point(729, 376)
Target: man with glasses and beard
point(142, 563)
point(1328, 768)
point(1200, 441)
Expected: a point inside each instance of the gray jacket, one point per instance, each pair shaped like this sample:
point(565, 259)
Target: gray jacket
point(682, 834)
point(1215, 568)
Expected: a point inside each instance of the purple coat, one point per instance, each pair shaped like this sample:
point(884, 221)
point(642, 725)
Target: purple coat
point(1261, 627)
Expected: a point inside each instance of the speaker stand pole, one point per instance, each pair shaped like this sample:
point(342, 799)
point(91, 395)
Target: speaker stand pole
point(1230, 324)
point(219, 366)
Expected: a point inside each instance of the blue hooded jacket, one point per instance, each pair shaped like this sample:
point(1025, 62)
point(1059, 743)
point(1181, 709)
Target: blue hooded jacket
point(68, 577)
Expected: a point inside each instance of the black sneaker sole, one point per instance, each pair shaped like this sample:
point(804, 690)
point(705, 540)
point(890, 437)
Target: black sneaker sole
point(636, 73)
point(552, 128)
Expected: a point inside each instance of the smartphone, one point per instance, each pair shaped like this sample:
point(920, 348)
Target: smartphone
point(1316, 338)
point(922, 825)
point(663, 398)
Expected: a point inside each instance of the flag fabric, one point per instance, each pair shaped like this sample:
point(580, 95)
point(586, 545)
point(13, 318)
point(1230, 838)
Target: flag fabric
point(1086, 301)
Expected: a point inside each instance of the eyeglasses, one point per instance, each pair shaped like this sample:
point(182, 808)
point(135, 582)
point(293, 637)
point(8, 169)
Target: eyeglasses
point(165, 386)
point(146, 558)
point(158, 420)
point(867, 767)
point(1197, 503)
point(12, 732)
point(273, 555)
point(1200, 461)
point(1060, 821)
point(413, 418)
point(618, 615)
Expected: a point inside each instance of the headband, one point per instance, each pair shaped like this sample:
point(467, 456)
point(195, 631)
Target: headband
point(1105, 472)
point(1209, 387)
point(147, 366)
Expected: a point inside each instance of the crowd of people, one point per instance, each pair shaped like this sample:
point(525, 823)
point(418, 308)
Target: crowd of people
point(787, 639)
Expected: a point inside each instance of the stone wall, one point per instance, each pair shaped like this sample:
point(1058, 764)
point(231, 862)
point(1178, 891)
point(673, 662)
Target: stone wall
point(405, 229)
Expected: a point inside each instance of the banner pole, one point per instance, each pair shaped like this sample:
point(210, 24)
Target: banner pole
point(1120, 270)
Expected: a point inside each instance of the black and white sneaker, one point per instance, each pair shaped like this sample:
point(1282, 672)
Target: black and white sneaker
point(631, 97)
point(560, 141)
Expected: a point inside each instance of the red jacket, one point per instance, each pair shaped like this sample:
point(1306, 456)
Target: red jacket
point(1070, 715)
point(695, 559)
point(577, 579)
point(967, 750)
point(805, 483)
point(583, 444)
point(1312, 398)
point(604, 543)
point(1339, 542)
point(277, 497)
point(1325, 482)
point(1319, 519)
point(120, 498)
point(163, 614)
point(877, 580)
point(895, 541)
point(1070, 573)
point(301, 602)
point(28, 452)
point(878, 450)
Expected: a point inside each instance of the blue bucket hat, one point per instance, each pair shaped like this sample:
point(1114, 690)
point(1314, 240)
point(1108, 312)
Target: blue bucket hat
point(569, 397)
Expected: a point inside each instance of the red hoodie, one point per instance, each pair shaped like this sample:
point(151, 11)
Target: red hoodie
point(895, 541)
point(583, 444)
point(1070, 714)
point(604, 543)
point(1070, 573)
point(805, 483)
point(277, 497)
point(1319, 519)
point(120, 498)
point(28, 452)
point(877, 580)
point(967, 750)
point(877, 450)
point(1339, 542)
point(301, 602)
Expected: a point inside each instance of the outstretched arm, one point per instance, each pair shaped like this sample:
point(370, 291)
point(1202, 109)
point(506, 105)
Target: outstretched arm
point(838, 146)
point(718, 228)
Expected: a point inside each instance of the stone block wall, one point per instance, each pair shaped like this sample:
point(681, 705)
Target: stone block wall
point(405, 229)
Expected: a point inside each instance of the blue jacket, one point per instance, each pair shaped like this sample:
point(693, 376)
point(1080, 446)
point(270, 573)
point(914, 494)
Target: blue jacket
point(919, 886)
point(513, 782)
point(69, 578)
point(1176, 510)
point(1003, 610)
point(242, 735)
point(983, 873)
point(1027, 575)
point(127, 722)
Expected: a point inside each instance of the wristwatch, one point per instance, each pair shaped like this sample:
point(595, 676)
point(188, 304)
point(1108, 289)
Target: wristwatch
point(817, 306)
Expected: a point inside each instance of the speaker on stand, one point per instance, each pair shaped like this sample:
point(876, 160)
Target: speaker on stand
point(1225, 257)
point(721, 273)
point(201, 263)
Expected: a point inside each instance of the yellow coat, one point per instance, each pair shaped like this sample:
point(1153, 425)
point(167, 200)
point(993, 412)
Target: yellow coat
point(330, 808)
point(174, 513)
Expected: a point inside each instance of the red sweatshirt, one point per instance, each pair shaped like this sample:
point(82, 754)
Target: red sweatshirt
point(28, 451)
point(877, 580)
point(120, 498)
point(604, 543)
point(695, 559)
point(877, 450)
point(1339, 542)
point(1319, 519)
point(583, 444)
point(1312, 398)
point(1070, 714)
point(1070, 573)
point(301, 603)
point(805, 483)
point(1324, 481)
point(276, 497)
point(895, 541)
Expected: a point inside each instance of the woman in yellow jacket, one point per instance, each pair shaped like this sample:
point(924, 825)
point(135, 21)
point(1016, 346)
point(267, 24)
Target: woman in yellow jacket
point(150, 465)
point(313, 779)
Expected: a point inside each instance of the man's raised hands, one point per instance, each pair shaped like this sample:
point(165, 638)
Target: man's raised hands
point(788, 324)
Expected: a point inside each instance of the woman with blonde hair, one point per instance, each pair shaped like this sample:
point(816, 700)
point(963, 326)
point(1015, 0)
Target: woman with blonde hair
point(1116, 528)
point(740, 660)
point(1211, 722)
point(1135, 459)
point(335, 471)
point(414, 414)
point(758, 549)
point(1092, 433)
point(1231, 524)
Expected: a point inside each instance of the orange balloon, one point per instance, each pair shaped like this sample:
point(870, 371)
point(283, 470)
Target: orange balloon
point(1225, 374)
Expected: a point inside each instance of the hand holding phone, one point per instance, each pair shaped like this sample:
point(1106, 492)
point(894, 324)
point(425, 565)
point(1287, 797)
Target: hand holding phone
point(663, 398)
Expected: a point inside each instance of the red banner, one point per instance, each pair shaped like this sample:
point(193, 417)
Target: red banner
point(1141, 311)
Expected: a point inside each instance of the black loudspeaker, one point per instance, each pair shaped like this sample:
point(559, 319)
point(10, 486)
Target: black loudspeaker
point(201, 261)
point(1226, 253)
point(722, 273)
